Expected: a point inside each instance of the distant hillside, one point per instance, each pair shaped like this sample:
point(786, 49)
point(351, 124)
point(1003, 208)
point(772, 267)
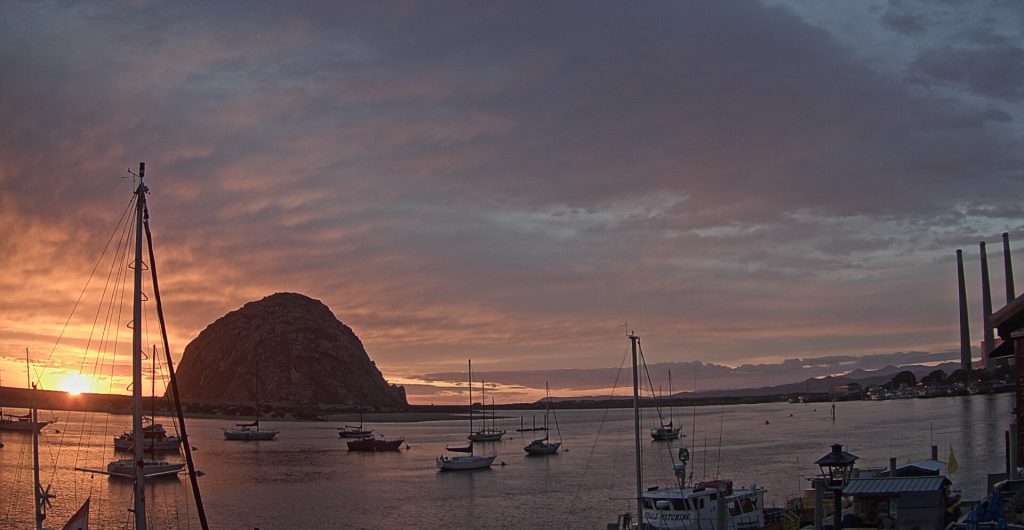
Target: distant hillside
point(817, 385)
point(304, 355)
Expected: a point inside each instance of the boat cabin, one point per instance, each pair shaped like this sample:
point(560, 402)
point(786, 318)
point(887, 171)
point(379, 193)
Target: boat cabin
point(698, 507)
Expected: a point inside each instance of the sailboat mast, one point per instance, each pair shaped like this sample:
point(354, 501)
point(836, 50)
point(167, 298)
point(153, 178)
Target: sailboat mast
point(257, 394)
point(470, 396)
point(633, 339)
point(36, 487)
point(140, 477)
point(671, 412)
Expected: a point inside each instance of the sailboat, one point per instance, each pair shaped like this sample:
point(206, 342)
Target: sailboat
point(667, 431)
point(486, 434)
point(42, 496)
point(708, 505)
point(20, 422)
point(154, 435)
point(543, 446)
point(139, 468)
point(356, 431)
point(245, 431)
point(471, 461)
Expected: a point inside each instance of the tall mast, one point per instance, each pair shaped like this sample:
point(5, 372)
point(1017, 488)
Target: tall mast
point(140, 476)
point(633, 339)
point(257, 393)
point(38, 494)
point(470, 396)
point(671, 415)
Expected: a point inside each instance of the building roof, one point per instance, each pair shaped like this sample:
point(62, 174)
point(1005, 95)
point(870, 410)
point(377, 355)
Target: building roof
point(889, 486)
point(927, 465)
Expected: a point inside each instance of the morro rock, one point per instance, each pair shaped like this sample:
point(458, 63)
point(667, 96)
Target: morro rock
point(304, 355)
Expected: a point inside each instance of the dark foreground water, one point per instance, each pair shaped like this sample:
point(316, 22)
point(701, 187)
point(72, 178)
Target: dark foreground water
point(307, 480)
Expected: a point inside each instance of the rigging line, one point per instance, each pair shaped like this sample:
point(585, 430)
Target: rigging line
point(174, 384)
point(661, 419)
point(111, 273)
point(112, 277)
point(590, 455)
point(85, 288)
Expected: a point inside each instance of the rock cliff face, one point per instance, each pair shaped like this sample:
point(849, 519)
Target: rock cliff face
point(305, 355)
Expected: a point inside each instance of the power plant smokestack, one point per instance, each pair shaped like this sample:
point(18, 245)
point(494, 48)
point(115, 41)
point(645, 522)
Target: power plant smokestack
point(986, 307)
point(965, 323)
point(1008, 264)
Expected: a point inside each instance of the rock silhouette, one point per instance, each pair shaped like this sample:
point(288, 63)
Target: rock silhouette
point(305, 355)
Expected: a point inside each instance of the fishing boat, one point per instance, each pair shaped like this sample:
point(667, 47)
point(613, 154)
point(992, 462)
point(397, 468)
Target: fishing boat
point(666, 431)
point(709, 505)
point(466, 459)
point(486, 434)
point(250, 432)
point(154, 436)
point(544, 446)
point(373, 445)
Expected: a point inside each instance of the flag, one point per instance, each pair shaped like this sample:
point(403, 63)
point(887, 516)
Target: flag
point(952, 465)
point(79, 521)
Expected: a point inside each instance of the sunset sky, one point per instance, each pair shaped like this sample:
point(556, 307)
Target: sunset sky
point(740, 182)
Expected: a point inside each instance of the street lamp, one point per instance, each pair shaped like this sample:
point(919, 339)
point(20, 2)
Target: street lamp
point(836, 468)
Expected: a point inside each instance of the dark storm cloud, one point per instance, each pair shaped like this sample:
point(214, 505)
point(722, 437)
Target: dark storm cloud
point(996, 70)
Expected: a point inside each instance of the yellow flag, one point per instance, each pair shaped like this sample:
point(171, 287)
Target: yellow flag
point(952, 465)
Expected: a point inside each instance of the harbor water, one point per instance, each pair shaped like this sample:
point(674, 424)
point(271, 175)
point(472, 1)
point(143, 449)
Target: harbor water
point(307, 479)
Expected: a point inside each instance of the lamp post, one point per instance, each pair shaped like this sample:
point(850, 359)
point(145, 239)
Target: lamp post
point(836, 468)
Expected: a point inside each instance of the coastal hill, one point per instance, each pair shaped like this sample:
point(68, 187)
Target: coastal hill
point(302, 352)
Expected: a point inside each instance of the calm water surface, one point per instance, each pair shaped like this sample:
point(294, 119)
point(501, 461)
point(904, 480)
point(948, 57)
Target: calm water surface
point(307, 480)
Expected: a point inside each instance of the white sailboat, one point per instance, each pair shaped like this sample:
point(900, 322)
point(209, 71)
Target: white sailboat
point(250, 432)
point(544, 446)
point(466, 459)
point(667, 431)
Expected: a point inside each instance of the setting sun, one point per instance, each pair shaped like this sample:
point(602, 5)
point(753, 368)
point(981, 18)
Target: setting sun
point(75, 384)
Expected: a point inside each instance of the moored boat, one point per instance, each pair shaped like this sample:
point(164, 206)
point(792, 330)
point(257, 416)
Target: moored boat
point(544, 446)
point(472, 460)
point(373, 445)
point(154, 438)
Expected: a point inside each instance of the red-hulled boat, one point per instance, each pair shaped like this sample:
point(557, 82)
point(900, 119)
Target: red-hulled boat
point(373, 445)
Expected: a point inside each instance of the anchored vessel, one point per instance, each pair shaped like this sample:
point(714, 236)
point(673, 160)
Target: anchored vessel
point(250, 432)
point(544, 446)
point(466, 459)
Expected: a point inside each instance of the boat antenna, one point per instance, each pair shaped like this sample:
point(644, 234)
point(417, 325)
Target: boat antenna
point(186, 443)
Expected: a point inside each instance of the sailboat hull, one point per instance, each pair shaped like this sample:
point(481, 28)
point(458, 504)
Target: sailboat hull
point(464, 463)
point(151, 468)
point(248, 435)
point(21, 425)
point(539, 448)
point(665, 433)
